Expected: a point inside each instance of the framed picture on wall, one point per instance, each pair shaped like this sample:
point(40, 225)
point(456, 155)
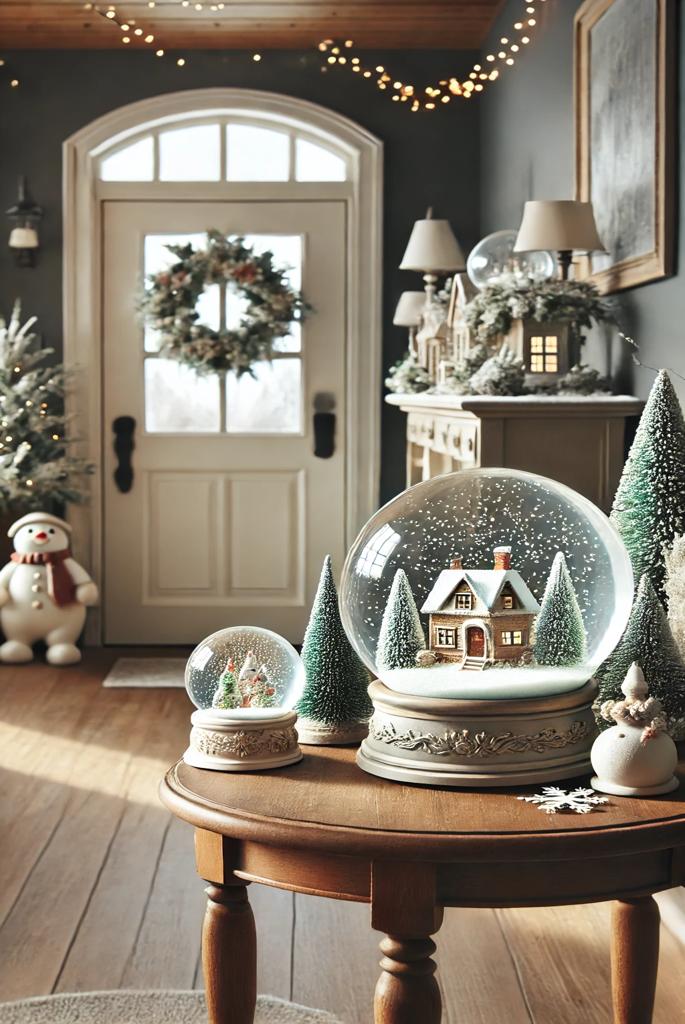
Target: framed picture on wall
point(624, 58)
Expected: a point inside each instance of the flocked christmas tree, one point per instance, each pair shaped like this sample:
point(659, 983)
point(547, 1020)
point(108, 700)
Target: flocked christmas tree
point(227, 695)
point(401, 634)
point(560, 637)
point(648, 641)
point(335, 705)
point(37, 470)
point(649, 507)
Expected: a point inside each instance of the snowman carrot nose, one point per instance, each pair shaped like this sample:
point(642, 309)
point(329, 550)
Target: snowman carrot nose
point(41, 536)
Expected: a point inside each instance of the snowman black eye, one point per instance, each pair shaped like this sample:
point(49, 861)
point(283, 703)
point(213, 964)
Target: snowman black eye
point(51, 530)
point(30, 530)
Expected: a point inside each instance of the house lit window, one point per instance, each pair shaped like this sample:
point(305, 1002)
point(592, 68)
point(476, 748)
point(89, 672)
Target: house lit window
point(463, 601)
point(507, 601)
point(512, 638)
point(445, 637)
point(544, 353)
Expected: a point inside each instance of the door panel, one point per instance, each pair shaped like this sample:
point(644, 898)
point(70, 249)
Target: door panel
point(230, 514)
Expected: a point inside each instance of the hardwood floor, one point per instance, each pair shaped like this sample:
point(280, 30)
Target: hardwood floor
point(98, 889)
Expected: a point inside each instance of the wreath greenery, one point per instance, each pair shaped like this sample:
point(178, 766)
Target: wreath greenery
point(169, 305)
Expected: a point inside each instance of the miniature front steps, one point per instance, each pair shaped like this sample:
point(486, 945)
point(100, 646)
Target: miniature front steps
point(473, 664)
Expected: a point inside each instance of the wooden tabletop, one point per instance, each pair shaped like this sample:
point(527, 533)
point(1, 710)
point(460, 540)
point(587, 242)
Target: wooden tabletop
point(327, 803)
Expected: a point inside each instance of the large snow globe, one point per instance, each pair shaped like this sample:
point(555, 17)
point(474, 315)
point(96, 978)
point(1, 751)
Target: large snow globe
point(480, 596)
point(493, 261)
point(245, 682)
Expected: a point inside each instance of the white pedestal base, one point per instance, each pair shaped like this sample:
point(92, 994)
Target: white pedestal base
point(479, 743)
point(319, 734)
point(225, 742)
point(616, 790)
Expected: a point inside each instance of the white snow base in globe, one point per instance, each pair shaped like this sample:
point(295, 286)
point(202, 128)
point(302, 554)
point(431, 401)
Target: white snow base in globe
point(227, 742)
point(447, 680)
point(479, 743)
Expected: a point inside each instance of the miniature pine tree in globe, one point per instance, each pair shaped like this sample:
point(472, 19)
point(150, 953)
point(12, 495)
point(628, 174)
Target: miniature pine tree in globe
point(401, 634)
point(649, 507)
point(335, 706)
point(648, 641)
point(227, 696)
point(559, 630)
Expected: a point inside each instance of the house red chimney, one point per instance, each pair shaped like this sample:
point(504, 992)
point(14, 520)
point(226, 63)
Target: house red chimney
point(502, 558)
point(456, 563)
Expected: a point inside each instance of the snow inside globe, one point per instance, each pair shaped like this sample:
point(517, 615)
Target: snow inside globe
point(245, 672)
point(493, 261)
point(486, 584)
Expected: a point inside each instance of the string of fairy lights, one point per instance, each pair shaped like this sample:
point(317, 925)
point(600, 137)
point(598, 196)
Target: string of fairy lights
point(343, 54)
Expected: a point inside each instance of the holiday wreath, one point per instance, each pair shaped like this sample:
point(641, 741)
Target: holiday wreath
point(170, 299)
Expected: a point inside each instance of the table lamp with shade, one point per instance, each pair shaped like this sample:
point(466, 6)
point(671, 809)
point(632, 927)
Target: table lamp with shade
point(564, 226)
point(408, 314)
point(432, 250)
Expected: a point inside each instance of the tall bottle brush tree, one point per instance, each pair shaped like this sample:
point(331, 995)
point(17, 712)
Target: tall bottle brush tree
point(335, 706)
point(649, 507)
point(37, 470)
point(648, 640)
point(401, 635)
point(560, 637)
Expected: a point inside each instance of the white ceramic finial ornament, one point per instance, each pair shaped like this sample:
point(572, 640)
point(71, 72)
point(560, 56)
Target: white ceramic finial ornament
point(636, 757)
point(43, 592)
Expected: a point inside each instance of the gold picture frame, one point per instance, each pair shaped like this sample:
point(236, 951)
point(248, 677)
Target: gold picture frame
point(627, 169)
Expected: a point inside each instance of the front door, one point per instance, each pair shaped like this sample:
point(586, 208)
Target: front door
point(230, 513)
point(475, 642)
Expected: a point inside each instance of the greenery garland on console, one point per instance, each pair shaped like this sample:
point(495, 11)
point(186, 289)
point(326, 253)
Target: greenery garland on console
point(169, 305)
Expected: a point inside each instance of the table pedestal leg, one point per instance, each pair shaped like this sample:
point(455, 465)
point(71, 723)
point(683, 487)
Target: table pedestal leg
point(634, 959)
point(229, 955)
point(407, 991)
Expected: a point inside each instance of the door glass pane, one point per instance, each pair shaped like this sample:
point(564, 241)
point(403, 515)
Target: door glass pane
point(287, 252)
point(270, 402)
point(257, 154)
point(157, 257)
point(178, 400)
point(190, 154)
point(135, 163)
point(314, 163)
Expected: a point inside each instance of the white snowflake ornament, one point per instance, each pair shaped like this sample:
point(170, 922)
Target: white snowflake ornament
point(553, 799)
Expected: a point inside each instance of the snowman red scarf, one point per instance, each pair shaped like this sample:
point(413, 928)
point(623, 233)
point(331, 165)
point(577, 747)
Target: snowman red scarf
point(61, 587)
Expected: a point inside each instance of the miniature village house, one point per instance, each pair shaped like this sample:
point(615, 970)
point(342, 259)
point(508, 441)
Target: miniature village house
point(477, 616)
point(547, 350)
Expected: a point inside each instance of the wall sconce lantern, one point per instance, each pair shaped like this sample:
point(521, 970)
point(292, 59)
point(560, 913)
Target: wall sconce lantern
point(25, 215)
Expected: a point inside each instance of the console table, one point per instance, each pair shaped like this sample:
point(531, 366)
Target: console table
point(324, 827)
point(579, 441)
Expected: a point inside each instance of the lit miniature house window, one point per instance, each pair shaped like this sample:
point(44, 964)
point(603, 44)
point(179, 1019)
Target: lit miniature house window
point(464, 601)
point(508, 601)
point(445, 637)
point(512, 638)
point(544, 353)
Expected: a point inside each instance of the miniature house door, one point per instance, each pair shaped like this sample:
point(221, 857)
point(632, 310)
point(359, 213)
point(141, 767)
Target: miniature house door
point(230, 513)
point(475, 642)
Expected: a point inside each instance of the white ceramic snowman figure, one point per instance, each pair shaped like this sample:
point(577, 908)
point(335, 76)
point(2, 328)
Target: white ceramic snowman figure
point(43, 592)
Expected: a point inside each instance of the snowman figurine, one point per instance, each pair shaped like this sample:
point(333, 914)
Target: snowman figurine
point(43, 592)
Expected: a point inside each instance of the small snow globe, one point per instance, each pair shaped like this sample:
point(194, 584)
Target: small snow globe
point(482, 594)
point(493, 261)
point(245, 682)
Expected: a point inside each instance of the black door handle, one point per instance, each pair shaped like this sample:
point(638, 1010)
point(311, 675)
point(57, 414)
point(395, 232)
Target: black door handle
point(124, 429)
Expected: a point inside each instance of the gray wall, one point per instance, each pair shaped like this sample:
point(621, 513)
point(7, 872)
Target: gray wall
point(527, 153)
point(430, 159)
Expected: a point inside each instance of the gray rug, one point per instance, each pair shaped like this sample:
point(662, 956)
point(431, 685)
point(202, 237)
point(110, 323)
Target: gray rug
point(153, 672)
point(146, 1008)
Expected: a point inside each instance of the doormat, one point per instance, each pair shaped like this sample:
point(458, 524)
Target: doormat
point(148, 672)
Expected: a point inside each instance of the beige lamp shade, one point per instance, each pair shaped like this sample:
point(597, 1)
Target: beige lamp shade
point(563, 225)
point(409, 309)
point(432, 247)
point(23, 238)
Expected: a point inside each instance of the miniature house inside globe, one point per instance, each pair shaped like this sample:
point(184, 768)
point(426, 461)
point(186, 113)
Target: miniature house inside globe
point(245, 672)
point(488, 584)
point(493, 261)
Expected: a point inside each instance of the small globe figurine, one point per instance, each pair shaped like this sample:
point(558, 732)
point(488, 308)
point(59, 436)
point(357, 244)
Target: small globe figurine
point(486, 592)
point(245, 682)
point(493, 261)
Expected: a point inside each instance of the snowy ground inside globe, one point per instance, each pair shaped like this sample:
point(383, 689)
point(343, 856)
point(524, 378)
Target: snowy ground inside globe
point(448, 680)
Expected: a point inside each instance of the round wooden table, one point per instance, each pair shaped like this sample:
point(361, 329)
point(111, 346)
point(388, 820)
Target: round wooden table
point(325, 827)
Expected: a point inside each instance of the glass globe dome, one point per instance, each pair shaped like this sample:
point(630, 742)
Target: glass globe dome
point(493, 261)
point(245, 671)
point(479, 548)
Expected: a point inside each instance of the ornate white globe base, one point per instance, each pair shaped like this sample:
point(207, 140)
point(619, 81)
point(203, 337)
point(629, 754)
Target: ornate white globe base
point(340, 735)
point(602, 786)
point(228, 743)
point(478, 743)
